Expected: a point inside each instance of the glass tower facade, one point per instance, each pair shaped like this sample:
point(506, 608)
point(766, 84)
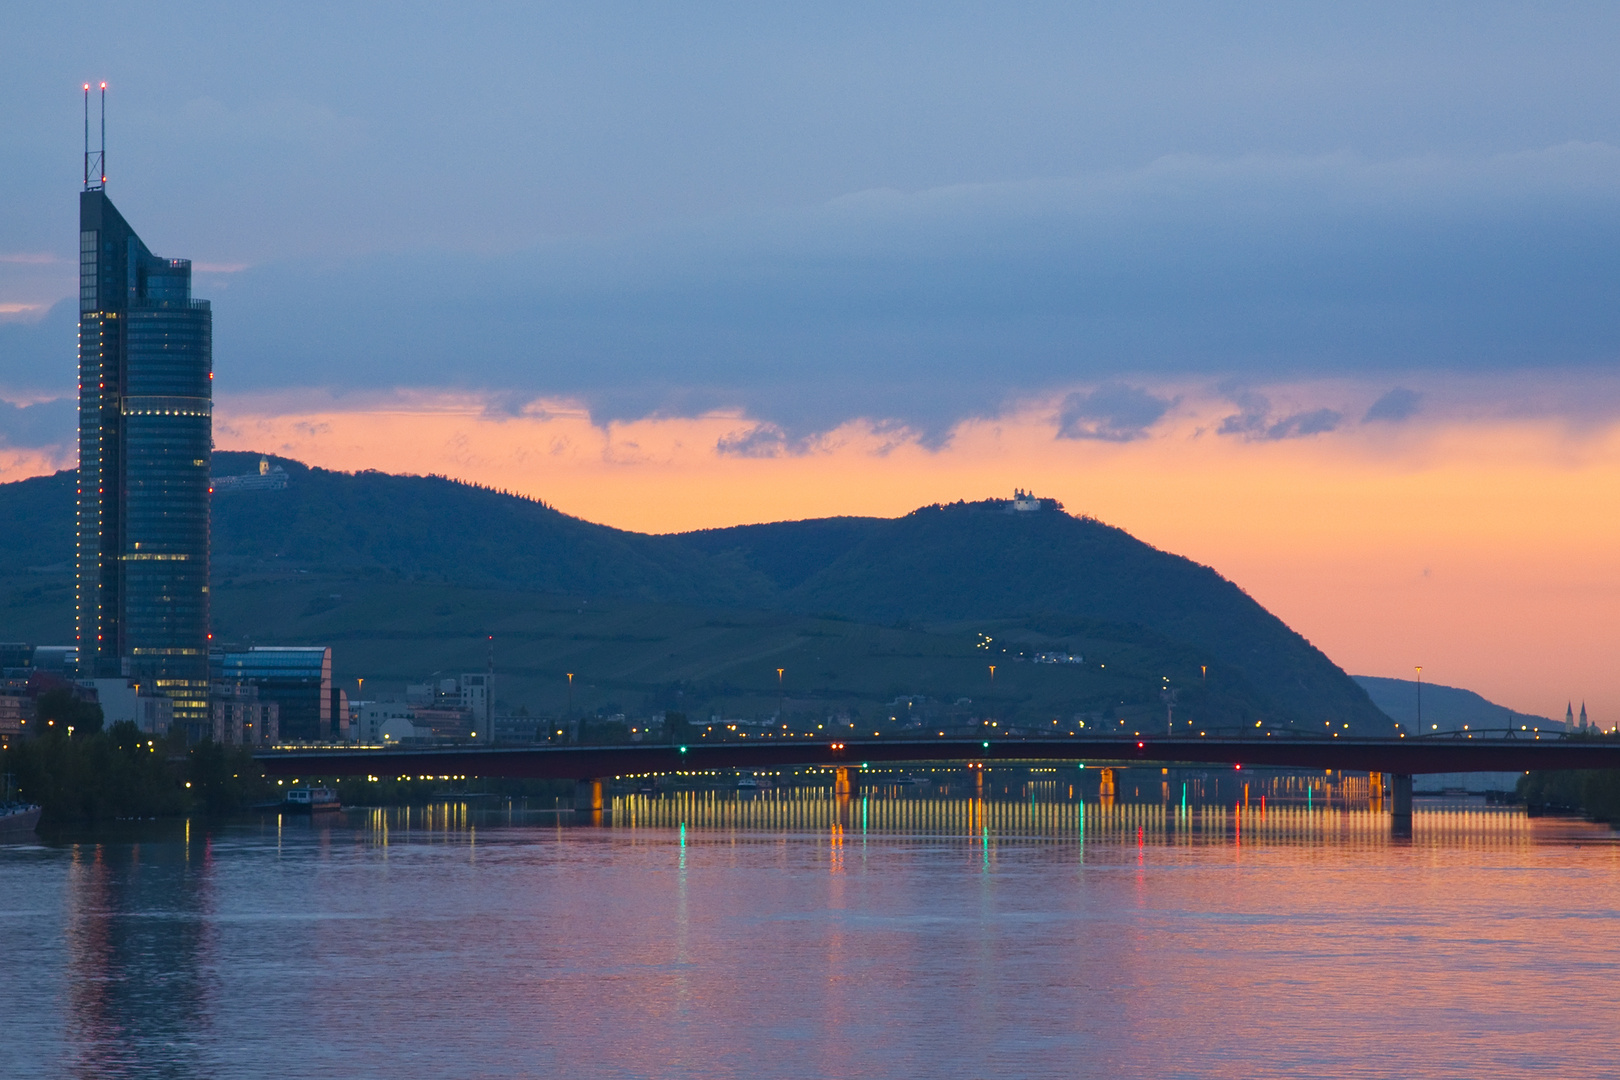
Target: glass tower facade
point(145, 438)
point(298, 679)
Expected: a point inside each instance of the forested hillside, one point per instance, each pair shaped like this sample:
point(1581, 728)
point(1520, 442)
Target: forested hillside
point(1037, 580)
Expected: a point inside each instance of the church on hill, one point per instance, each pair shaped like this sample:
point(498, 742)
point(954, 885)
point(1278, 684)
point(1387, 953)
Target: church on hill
point(1581, 724)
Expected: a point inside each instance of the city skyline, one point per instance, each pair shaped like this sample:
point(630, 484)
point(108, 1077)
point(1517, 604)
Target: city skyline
point(1344, 337)
point(825, 540)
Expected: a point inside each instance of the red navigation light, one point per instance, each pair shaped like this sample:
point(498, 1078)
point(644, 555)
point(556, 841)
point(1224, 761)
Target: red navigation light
point(1140, 745)
point(1237, 766)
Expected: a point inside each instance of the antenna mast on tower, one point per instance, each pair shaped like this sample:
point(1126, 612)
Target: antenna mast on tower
point(95, 161)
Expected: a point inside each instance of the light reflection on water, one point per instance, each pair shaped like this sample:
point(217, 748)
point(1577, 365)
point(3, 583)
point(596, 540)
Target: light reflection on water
point(797, 811)
point(795, 933)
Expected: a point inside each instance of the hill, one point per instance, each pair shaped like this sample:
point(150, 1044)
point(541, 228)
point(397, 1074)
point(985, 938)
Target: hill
point(366, 559)
point(1445, 708)
point(977, 560)
point(433, 529)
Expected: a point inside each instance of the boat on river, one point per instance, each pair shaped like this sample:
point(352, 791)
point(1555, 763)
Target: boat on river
point(17, 822)
point(310, 800)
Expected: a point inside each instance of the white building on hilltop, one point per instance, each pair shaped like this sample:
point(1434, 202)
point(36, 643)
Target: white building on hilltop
point(1025, 502)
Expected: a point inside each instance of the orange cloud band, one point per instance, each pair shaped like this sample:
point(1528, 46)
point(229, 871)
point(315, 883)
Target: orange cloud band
point(1481, 549)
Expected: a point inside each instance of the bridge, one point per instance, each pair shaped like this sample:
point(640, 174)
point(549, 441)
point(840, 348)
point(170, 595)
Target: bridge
point(591, 766)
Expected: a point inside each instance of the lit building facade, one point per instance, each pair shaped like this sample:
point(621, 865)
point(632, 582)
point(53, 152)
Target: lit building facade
point(145, 439)
point(297, 680)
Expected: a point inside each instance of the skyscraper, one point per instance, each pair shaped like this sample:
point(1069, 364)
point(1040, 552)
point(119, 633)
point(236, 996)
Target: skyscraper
point(145, 437)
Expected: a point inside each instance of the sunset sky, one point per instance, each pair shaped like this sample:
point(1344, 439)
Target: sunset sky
point(1325, 296)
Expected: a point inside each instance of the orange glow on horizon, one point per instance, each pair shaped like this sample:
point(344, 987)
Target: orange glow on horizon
point(1480, 548)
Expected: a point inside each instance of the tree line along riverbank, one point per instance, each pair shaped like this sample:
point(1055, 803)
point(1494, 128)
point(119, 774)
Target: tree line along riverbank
point(1593, 792)
point(79, 773)
point(90, 774)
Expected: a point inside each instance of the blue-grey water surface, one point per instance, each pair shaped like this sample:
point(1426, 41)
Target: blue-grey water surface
point(717, 936)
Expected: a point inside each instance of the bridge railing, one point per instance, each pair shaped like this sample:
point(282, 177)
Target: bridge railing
point(1521, 732)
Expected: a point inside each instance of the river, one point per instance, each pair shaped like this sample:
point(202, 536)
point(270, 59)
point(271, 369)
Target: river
point(795, 935)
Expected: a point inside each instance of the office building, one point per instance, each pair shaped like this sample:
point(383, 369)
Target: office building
point(145, 437)
point(297, 680)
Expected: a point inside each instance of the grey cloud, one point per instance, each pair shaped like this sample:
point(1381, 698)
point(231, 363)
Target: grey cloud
point(1256, 422)
point(1394, 407)
point(1113, 412)
point(1315, 422)
point(45, 424)
point(763, 441)
point(492, 128)
point(929, 307)
point(1252, 420)
point(41, 356)
point(932, 307)
point(817, 213)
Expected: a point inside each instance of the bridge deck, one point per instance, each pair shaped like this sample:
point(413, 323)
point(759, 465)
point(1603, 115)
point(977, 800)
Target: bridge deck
point(1410, 756)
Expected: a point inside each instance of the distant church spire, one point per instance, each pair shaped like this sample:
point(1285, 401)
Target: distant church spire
point(1583, 716)
point(1569, 717)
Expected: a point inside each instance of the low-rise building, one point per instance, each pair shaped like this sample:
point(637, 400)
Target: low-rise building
point(371, 716)
point(444, 722)
point(477, 696)
point(240, 718)
point(399, 729)
point(124, 700)
point(16, 710)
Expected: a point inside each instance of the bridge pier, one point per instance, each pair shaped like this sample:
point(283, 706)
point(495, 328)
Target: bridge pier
point(1400, 804)
point(590, 796)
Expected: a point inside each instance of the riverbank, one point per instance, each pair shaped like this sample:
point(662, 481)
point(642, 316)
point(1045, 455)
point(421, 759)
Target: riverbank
point(122, 773)
point(1593, 792)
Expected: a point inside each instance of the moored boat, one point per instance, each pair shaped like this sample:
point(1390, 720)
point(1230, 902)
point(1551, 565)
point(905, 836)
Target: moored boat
point(312, 799)
point(17, 822)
